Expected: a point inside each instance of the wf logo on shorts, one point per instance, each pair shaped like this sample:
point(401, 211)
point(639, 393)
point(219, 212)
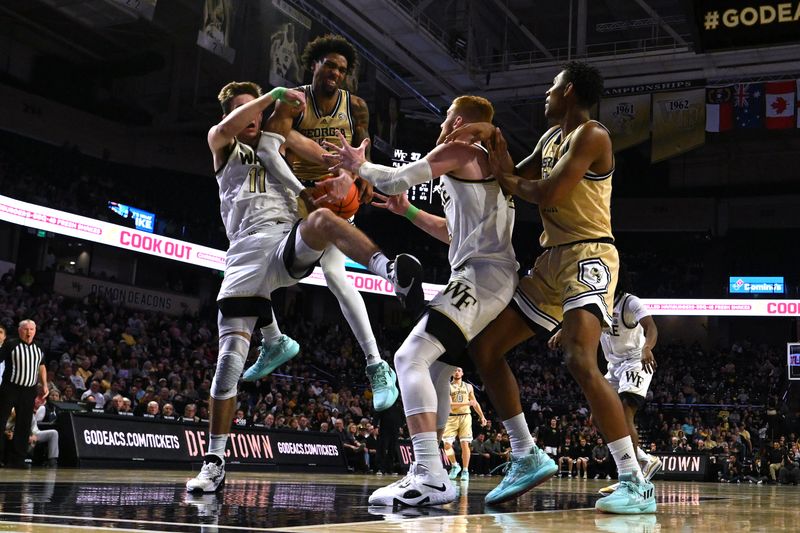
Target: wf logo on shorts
point(633, 377)
point(461, 295)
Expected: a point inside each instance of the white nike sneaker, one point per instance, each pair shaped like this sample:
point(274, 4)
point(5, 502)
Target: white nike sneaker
point(211, 477)
point(651, 467)
point(420, 487)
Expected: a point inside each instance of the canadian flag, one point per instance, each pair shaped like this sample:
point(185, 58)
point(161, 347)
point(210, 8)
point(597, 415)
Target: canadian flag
point(780, 104)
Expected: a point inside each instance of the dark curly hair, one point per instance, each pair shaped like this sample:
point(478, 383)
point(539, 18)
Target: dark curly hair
point(327, 44)
point(586, 80)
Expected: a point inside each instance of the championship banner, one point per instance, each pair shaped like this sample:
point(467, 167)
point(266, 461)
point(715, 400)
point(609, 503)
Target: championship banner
point(215, 33)
point(627, 118)
point(725, 24)
point(682, 467)
point(128, 296)
point(679, 121)
point(169, 444)
point(288, 31)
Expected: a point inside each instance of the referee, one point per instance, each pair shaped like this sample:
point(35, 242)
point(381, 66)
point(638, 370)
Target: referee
point(24, 360)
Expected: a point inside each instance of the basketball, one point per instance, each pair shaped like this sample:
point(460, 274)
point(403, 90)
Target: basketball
point(344, 209)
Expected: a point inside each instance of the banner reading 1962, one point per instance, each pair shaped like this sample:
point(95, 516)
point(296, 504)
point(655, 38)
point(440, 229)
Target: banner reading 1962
point(120, 438)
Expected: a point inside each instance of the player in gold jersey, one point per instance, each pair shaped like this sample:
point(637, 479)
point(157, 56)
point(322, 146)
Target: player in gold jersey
point(459, 423)
point(572, 282)
point(330, 110)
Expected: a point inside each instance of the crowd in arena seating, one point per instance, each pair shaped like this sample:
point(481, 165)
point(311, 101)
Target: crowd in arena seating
point(114, 360)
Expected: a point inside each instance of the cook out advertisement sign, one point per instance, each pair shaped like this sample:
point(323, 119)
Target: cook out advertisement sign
point(47, 219)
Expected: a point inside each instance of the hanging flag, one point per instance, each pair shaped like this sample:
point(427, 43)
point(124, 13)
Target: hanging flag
point(678, 123)
point(627, 118)
point(719, 108)
point(215, 34)
point(748, 105)
point(780, 104)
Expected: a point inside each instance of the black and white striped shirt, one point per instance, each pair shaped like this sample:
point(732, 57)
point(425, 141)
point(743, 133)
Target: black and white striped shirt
point(22, 362)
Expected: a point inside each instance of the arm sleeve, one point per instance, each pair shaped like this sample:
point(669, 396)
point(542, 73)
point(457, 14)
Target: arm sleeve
point(394, 180)
point(268, 147)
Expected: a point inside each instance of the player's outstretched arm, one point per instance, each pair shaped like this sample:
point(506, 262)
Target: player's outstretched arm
point(475, 405)
point(399, 205)
point(394, 180)
point(222, 135)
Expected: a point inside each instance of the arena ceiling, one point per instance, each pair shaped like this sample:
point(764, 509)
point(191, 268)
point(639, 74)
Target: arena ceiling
point(109, 57)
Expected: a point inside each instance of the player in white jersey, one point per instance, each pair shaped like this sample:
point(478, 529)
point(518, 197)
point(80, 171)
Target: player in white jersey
point(477, 227)
point(628, 347)
point(270, 247)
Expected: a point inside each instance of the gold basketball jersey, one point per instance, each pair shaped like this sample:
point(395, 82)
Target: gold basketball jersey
point(316, 125)
point(585, 214)
point(459, 394)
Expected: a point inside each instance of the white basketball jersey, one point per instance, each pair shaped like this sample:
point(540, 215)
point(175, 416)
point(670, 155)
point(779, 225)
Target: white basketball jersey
point(250, 199)
point(625, 339)
point(480, 220)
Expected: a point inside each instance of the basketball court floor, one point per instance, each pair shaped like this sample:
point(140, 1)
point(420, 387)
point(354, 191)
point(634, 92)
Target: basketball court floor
point(77, 500)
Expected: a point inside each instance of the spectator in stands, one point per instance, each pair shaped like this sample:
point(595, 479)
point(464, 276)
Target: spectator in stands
point(777, 459)
point(731, 470)
point(152, 409)
point(126, 406)
point(48, 411)
point(168, 412)
point(190, 413)
point(582, 453)
point(94, 391)
point(790, 473)
point(115, 405)
point(371, 436)
point(550, 438)
point(566, 451)
point(600, 463)
point(481, 455)
point(501, 449)
point(37, 436)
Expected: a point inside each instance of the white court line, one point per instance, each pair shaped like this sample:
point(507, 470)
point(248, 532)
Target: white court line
point(128, 520)
point(440, 517)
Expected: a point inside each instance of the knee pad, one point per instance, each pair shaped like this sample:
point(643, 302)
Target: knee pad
point(413, 362)
point(230, 363)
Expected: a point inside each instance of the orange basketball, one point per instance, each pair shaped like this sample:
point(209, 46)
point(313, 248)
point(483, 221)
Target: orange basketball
point(344, 209)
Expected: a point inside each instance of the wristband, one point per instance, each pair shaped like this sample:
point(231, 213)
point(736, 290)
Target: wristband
point(411, 213)
point(279, 93)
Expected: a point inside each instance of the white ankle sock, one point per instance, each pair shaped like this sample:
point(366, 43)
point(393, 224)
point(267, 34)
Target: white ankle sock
point(426, 451)
point(216, 445)
point(271, 332)
point(519, 435)
point(378, 263)
point(370, 349)
point(625, 457)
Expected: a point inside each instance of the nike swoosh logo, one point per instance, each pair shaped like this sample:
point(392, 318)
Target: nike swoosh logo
point(440, 489)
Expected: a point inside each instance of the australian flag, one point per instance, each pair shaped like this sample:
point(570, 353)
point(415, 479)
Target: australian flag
point(748, 105)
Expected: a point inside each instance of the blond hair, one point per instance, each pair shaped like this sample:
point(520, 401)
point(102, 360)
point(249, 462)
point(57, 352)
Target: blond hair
point(234, 89)
point(474, 108)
